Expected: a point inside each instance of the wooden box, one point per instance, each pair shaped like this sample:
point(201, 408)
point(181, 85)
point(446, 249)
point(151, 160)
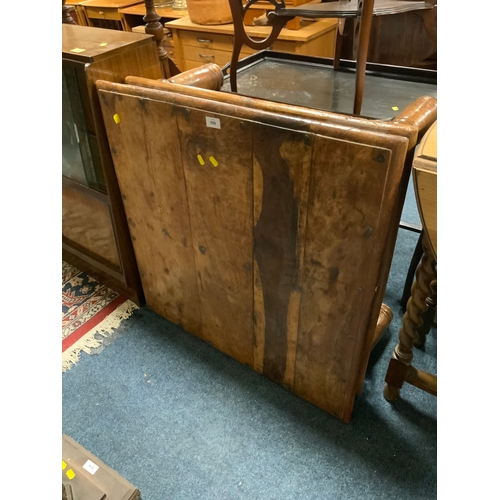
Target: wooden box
point(86, 477)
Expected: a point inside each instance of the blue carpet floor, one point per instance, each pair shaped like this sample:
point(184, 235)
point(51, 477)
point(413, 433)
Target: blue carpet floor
point(180, 420)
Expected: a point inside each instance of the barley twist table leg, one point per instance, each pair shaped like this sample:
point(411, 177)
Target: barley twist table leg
point(412, 320)
point(428, 316)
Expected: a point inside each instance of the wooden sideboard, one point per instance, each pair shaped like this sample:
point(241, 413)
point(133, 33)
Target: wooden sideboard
point(196, 44)
point(94, 227)
point(105, 13)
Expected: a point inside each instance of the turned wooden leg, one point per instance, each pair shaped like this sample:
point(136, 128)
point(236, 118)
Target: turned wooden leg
point(66, 16)
point(427, 317)
point(385, 317)
point(402, 356)
point(415, 260)
point(155, 28)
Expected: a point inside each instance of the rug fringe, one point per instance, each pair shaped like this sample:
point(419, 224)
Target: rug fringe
point(105, 328)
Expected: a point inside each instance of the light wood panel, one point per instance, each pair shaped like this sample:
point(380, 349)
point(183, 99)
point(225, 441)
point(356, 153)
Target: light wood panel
point(346, 232)
point(155, 204)
point(217, 163)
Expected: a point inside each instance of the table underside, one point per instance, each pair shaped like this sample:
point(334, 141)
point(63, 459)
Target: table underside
point(312, 82)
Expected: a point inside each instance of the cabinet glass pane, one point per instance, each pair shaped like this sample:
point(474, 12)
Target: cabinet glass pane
point(72, 161)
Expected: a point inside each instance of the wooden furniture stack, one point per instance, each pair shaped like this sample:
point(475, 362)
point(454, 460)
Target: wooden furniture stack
point(94, 227)
point(265, 229)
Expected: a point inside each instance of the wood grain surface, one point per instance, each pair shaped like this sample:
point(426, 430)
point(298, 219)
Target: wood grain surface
point(155, 204)
point(289, 217)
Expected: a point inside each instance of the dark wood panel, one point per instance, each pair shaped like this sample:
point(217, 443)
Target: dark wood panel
point(282, 161)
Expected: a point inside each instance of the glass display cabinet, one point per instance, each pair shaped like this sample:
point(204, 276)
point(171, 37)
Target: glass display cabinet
point(94, 226)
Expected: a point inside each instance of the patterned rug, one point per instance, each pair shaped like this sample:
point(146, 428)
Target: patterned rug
point(90, 313)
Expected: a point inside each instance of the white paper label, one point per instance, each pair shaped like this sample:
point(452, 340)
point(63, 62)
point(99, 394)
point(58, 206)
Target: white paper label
point(213, 122)
point(90, 466)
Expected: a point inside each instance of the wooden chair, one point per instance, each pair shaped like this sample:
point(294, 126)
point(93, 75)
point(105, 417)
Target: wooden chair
point(362, 9)
point(155, 28)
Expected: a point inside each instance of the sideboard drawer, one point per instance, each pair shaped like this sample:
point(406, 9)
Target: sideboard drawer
point(215, 43)
point(206, 40)
point(204, 56)
point(102, 13)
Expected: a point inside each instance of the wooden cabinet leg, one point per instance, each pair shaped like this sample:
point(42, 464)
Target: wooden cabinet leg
point(412, 320)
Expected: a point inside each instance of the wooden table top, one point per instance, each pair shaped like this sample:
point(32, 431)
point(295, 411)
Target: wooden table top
point(425, 182)
point(84, 43)
point(308, 31)
point(140, 10)
point(111, 4)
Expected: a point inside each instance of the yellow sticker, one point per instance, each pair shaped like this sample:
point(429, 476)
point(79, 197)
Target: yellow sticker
point(201, 160)
point(116, 118)
point(213, 161)
point(77, 50)
point(395, 108)
point(63, 465)
point(70, 474)
point(103, 44)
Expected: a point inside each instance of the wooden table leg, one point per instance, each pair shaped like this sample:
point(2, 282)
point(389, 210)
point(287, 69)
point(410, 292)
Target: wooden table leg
point(66, 16)
point(400, 367)
point(427, 317)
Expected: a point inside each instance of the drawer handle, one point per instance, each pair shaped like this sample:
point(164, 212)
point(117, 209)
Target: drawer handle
point(204, 56)
point(101, 12)
point(203, 40)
